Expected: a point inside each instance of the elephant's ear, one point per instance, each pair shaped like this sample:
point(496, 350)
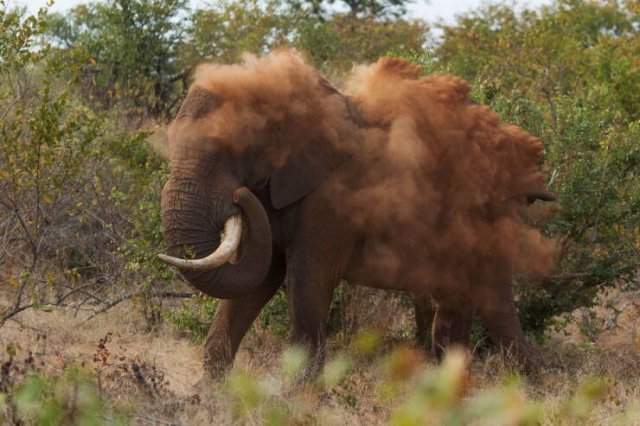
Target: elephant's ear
point(306, 168)
point(303, 172)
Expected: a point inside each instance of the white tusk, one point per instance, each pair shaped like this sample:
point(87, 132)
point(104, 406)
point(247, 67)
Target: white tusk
point(226, 251)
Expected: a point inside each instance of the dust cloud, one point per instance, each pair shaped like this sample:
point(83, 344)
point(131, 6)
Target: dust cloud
point(439, 180)
point(277, 103)
point(447, 184)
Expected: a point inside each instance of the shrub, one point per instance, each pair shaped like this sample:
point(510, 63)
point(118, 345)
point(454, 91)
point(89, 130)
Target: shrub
point(419, 394)
point(79, 192)
point(46, 142)
point(28, 396)
point(130, 51)
point(193, 316)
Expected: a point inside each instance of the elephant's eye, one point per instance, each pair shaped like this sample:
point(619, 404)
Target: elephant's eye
point(261, 183)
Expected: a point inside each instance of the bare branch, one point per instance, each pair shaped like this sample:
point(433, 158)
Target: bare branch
point(162, 295)
point(17, 308)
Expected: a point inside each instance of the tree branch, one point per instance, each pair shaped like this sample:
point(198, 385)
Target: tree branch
point(163, 295)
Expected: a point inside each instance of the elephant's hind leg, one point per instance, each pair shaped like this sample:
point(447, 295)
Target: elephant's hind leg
point(232, 321)
point(424, 310)
point(499, 316)
point(451, 327)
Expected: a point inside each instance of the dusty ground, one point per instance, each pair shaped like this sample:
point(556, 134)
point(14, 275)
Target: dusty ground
point(157, 372)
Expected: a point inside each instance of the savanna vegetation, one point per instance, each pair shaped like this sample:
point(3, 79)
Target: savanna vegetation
point(84, 98)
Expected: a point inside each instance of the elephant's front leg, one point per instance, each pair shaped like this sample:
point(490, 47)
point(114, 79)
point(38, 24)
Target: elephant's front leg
point(309, 303)
point(232, 321)
point(316, 260)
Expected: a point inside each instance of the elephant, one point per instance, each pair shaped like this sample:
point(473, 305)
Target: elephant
point(276, 178)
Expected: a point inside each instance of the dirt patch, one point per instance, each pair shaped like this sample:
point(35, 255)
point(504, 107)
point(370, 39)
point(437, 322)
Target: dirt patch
point(59, 338)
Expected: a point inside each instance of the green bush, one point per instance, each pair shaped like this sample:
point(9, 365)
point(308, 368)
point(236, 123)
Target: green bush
point(47, 138)
point(79, 192)
point(419, 394)
point(130, 50)
point(193, 316)
point(336, 45)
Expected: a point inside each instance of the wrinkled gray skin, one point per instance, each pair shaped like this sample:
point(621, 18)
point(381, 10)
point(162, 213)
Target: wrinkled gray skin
point(293, 236)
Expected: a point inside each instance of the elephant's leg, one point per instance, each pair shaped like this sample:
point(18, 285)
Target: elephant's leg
point(316, 260)
point(451, 327)
point(309, 303)
point(231, 322)
point(499, 316)
point(425, 311)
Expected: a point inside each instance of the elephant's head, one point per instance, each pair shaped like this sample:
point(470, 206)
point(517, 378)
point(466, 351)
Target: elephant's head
point(208, 214)
point(216, 228)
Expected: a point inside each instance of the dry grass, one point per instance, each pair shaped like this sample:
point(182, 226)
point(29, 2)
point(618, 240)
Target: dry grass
point(156, 375)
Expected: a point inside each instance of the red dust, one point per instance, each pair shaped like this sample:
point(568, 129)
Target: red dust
point(438, 181)
point(448, 175)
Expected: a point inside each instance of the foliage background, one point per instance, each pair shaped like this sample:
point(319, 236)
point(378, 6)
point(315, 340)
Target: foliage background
point(84, 97)
point(83, 92)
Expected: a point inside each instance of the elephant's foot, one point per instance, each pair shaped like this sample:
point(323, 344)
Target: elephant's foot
point(314, 367)
point(216, 368)
point(217, 372)
point(450, 329)
point(217, 362)
point(523, 357)
point(206, 385)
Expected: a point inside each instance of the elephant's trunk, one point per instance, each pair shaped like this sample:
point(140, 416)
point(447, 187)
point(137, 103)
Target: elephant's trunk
point(192, 228)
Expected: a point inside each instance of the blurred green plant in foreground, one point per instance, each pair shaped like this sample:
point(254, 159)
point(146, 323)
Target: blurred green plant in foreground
point(412, 391)
point(420, 393)
point(79, 184)
point(28, 396)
